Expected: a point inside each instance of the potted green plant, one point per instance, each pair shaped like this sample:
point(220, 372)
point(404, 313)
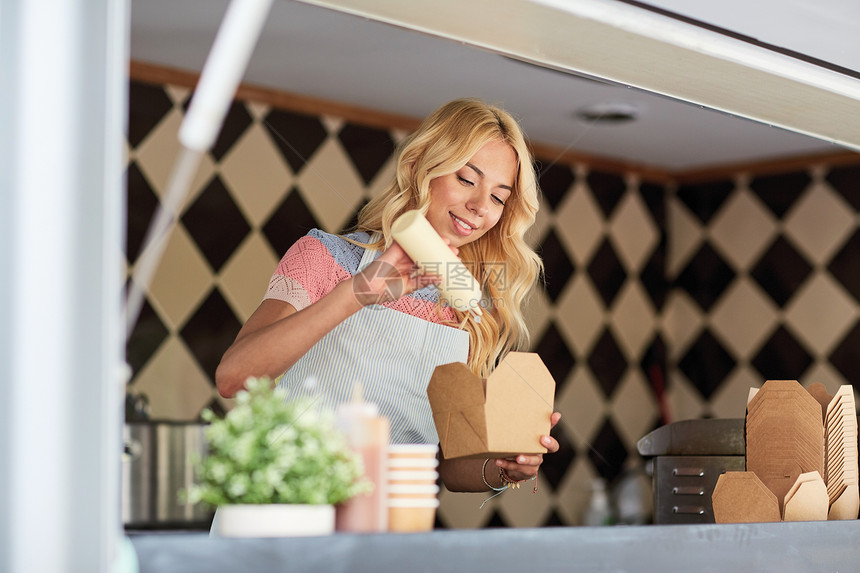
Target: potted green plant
point(274, 466)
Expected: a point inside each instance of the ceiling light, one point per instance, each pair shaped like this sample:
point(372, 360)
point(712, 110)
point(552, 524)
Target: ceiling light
point(608, 113)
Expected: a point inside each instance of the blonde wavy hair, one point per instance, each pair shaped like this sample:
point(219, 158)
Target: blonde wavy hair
point(443, 144)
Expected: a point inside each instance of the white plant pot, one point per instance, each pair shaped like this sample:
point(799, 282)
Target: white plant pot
point(275, 520)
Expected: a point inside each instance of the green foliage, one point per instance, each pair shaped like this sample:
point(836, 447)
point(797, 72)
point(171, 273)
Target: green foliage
point(269, 449)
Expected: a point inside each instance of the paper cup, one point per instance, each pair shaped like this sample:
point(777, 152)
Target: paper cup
point(412, 476)
point(408, 515)
point(421, 490)
point(412, 463)
point(413, 450)
point(413, 502)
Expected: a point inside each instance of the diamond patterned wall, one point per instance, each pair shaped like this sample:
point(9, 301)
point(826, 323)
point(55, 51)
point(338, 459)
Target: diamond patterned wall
point(771, 284)
point(660, 303)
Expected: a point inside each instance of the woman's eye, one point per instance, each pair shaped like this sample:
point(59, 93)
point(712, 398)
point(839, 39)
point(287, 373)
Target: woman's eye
point(464, 181)
point(498, 200)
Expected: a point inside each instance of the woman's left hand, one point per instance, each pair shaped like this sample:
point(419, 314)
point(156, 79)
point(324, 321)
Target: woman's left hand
point(525, 466)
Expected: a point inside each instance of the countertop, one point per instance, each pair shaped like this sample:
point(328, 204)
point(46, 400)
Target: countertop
point(825, 546)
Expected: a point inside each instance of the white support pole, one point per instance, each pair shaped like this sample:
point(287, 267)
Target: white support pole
point(62, 117)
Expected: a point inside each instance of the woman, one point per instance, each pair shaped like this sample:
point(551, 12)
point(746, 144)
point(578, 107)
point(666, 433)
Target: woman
point(337, 312)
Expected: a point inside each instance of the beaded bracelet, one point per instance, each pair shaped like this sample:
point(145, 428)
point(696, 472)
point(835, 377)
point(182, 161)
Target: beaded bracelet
point(507, 481)
point(511, 483)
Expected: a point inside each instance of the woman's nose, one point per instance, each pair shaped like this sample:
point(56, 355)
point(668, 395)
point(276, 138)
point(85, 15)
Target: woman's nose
point(477, 204)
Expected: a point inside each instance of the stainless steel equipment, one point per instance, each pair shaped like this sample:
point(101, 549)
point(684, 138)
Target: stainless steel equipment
point(137, 472)
point(157, 466)
point(685, 459)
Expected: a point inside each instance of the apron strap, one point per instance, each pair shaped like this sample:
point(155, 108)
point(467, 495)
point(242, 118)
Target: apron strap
point(369, 254)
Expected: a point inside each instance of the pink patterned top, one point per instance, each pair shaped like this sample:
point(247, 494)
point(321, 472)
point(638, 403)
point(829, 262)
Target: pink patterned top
point(312, 267)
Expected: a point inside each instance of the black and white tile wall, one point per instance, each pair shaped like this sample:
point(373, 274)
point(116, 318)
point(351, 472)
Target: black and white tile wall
point(766, 272)
point(660, 303)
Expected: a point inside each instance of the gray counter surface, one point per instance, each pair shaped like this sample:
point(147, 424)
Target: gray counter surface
point(780, 547)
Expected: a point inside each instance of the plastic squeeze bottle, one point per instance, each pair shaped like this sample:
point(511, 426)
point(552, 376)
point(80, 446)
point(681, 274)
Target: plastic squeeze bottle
point(598, 511)
point(419, 239)
point(367, 433)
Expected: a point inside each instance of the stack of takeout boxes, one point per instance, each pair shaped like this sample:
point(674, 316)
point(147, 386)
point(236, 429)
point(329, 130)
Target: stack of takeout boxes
point(801, 458)
point(840, 449)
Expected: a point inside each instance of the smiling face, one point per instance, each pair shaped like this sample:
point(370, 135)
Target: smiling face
point(464, 205)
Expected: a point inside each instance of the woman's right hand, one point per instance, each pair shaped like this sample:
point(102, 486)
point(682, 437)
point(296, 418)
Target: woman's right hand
point(392, 275)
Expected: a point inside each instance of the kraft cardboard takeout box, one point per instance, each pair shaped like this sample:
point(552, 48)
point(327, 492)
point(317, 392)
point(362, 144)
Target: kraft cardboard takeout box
point(498, 417)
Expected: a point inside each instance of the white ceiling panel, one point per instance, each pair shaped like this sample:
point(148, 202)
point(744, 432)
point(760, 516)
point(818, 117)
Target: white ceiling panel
point(315, 51)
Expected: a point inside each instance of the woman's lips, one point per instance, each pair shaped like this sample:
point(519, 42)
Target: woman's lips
point(459, 227)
